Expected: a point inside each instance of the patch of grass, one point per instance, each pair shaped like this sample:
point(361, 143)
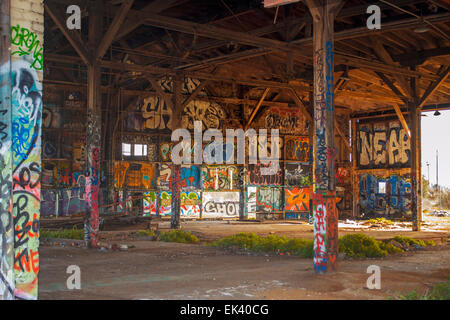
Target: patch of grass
point(272, 244)
point(362, 246)
point(76, 234)
point(410, 241)
point(379, 221)
point(179, 236)
point(440, 291)
point(146, 233)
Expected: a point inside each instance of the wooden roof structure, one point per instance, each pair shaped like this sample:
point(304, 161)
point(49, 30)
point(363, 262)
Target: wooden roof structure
point(242, 51)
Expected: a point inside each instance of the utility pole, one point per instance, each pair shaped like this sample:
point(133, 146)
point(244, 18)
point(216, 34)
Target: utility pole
point(428, 167)
point(437, 179)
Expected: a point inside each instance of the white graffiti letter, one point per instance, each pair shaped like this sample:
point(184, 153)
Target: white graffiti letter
point(184, 146)
point(74, 280)
point(374, 281)
point(374, 21)
point(74, 20)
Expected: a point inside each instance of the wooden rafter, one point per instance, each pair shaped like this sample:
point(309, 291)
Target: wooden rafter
point(434, 86)
point(255, 110)
point(73, 37)
point(113, 28)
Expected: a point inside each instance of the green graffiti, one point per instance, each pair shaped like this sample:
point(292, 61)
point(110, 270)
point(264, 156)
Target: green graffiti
point(28, 44)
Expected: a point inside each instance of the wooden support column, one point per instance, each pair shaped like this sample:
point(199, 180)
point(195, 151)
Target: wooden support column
point(415, 150)
point(93, 128)
point(176, 168)
point(325, 215)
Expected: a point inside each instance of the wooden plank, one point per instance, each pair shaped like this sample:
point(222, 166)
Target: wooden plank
point(391, 85)
point(73, 37)
point(258, 105)
point(196, 92)
point(402, 119)
point(299, 102)
point(434, 86)
point(113, 28)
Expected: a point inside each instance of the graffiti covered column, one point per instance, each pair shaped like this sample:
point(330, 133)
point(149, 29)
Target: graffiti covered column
point(26, 75)
point(6, 219)
point(93, 129)
point(324, 197)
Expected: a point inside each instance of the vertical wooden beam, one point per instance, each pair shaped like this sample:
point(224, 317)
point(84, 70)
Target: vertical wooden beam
point(176, 168)
point(414, 163)
point(355, 177)
point(93, 128)
point(6, 172)
point(324, 197)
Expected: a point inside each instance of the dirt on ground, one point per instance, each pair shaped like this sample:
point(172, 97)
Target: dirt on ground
point(160, 270)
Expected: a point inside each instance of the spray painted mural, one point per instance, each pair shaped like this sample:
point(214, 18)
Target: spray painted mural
point(135, 175)
point(385, 195)
point(222, 177)
point(380, 145)
point(190, 202)
point(297, 149)
point(165, 203)
point(269, 200)
point(149, 203)
point(217, 204)
point(152, 113)
point(297, 174)
point(297, 199)
point(22, 138)
point(256, 178)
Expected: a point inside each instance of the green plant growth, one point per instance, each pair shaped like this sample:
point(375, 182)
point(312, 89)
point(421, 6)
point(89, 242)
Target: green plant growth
point(410, 241)
point(440, 291)
point(76, 234)
point(145, 233)
point(380, 221)
point(272, 244)
point(179, 236)
point(362, 246)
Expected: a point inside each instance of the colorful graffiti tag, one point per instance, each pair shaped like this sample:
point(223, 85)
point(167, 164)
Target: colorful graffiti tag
point(297, 148)
point(297, 199)
point(380, 145)
point(385, 195)
point(165, 203)
point(134, 175)
point(269, 200)
point(221, 177)
point(220, 204)
point(190, 204)
point(149, 203)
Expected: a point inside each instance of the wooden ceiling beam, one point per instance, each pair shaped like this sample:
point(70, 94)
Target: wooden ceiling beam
point(434, 86)
point(113, 28)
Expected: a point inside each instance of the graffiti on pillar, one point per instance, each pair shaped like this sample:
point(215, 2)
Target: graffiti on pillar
point(331, 229)
point(297, 149)
point(320, 227)
point(93, 139)
point(269, 200)
point(6, 219)
point(381, 146)
point(149, 203)
point(296, 199)
point(26, 101)
point(385, 195)
point(165, 203)
point(27, 44)
point(190, 203)
point(135, 175)
point(251, 201)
